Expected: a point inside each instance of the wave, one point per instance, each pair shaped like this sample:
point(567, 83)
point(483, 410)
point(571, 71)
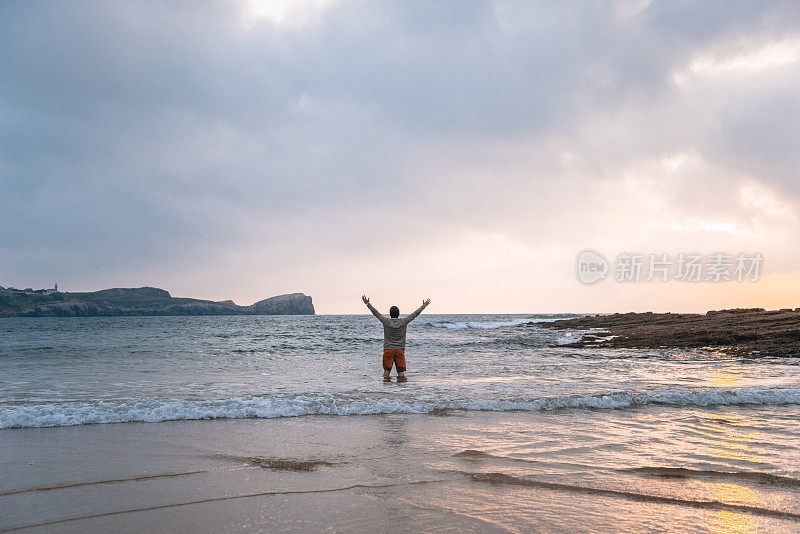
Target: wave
point(684, 472)
point(758, 477)
point(473, 454)
point(491, 325)
point(294, 405)
point(480, 325)
point(569, 337)
point(509, 480)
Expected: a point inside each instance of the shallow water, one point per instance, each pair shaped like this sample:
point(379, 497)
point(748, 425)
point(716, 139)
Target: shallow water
point(632, 435)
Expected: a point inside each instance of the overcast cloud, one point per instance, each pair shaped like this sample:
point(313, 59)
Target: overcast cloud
point(464, 151)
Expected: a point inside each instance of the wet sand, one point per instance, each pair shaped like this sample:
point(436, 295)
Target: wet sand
point(455, 472)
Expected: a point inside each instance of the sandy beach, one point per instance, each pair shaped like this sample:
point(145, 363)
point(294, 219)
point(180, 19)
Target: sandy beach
point(384, 473)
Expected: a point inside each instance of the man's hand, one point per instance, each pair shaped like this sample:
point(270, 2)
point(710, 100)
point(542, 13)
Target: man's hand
point(365, 299)
point(426, 302)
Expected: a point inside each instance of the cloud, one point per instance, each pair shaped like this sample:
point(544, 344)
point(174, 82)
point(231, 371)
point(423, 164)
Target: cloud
point(219, 149)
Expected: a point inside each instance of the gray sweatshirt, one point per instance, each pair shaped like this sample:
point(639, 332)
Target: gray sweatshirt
point(394, 330)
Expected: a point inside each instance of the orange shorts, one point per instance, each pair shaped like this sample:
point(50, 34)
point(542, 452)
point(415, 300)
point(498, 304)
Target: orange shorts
point(396, 356)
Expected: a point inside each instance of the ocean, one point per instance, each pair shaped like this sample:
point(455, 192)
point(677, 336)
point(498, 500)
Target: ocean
point(550, 437)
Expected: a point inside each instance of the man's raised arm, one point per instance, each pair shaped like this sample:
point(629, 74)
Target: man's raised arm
point(375, 312)
point(408, 318)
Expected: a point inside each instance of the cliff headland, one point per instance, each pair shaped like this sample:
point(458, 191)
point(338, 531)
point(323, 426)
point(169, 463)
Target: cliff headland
point(138, 301)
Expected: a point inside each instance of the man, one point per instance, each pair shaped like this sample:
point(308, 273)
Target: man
point(394, 338)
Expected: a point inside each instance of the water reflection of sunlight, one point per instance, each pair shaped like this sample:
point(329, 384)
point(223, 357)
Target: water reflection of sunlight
point(727, 377)
point(730, 438)
point(733, 431)
point(731, 522)
point(725, 521)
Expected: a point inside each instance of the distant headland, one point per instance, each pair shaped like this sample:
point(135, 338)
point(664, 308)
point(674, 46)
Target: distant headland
point(137, 301)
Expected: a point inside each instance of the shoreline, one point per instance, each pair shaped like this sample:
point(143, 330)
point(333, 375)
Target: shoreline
point(402, 473)
point(740, 331)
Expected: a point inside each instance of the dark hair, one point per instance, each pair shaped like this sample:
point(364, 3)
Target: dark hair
point(394, 312)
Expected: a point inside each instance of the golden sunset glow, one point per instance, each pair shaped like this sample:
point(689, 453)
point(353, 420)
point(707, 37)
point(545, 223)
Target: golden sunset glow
point(400, 266)
point(726, 522)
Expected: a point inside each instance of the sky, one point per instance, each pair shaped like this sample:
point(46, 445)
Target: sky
point(463, 151)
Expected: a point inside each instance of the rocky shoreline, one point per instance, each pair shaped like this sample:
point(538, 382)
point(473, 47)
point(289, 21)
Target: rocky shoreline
point(139, 301)
point(746, 332)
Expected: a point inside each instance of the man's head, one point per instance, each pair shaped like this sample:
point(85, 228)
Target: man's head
point(394, 312)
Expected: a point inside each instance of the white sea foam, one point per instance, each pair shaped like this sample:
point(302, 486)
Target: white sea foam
point(491, 325)
point(276, 406)
point(569, 337)
point(483, 325)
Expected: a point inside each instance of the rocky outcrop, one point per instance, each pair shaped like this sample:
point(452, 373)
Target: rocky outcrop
point(750, 331)
point(291, 304)
point(140, 301)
